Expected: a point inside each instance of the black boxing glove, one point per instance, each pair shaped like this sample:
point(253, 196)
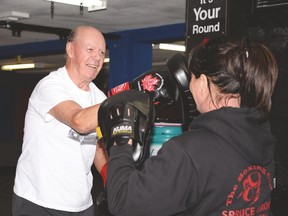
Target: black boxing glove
point(178, 68)
point(128, 115)
point(160, 85)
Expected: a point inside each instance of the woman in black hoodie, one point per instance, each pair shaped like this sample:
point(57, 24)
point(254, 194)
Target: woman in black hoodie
point(224, 164)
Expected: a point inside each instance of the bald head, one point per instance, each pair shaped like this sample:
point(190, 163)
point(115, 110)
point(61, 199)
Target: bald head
point(85, 53)
point(74, 32)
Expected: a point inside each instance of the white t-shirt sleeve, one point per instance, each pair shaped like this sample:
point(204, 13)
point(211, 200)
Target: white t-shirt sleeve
point(97, 95)
point(47, 94)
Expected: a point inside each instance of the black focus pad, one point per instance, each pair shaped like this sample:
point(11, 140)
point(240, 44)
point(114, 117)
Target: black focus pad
point(127, 115)
point(178, 68)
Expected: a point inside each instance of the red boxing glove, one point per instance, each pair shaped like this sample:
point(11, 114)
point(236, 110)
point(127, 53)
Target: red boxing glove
point(159, 85)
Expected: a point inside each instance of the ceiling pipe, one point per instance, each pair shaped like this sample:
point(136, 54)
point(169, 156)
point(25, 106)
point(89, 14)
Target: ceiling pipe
point(63, 33)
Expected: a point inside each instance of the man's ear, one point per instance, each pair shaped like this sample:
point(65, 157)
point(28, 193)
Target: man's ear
point(69, 49)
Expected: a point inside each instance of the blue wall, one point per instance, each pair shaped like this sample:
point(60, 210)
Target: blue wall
point(130, 52)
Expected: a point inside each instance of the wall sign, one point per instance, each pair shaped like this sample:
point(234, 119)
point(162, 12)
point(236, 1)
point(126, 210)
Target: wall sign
point(205, 19)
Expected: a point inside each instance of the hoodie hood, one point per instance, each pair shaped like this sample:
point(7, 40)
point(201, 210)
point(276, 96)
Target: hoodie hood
point(247, 130)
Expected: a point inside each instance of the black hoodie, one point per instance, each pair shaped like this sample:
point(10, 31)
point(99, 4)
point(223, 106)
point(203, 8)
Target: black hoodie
point(223, 166)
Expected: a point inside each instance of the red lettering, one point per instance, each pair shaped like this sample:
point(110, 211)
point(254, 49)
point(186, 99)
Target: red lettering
point(252, 212)
point(240, 177)
point(231, 195)
point(250, 168)
point(228, 202)
point(264, 170)
point(245, 172)
point(269, 176)
point(269, 180)
point(264, 207)
point(239, 212)
point(254, 167)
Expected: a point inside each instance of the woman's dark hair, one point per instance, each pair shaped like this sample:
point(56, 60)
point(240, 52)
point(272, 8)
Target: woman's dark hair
point(239, 67)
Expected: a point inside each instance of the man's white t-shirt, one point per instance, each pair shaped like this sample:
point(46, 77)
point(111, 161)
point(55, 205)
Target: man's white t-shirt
point(54, 169)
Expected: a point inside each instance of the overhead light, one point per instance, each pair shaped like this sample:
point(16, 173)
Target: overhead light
point(11, 67)
point(173, 47)
point(23, 66)
point(14, 15)
point(20, 65)
point(92, 5)
point(106, 60)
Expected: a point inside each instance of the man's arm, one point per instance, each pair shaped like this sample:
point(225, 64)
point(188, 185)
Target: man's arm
point(101, 159)
point(72, 114)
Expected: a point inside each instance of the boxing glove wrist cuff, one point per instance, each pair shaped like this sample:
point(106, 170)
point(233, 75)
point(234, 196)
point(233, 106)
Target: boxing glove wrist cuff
point(103, 174)
point(123, 87)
